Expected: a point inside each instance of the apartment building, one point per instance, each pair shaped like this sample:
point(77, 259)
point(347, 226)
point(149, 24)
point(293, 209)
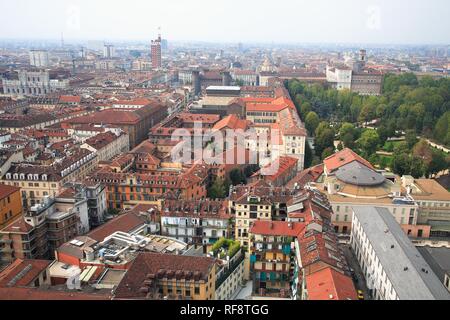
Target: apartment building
point(39, 58)
point(196, 222)
point(45, 227)
point(247, 210)
point(134, 188)
point(155, 276)
point(230, 268)
point(257, 201)
point(108, 145)
point(272, 257)
point(135, 122)
point(393, 267)
point(433, 201)
point(39, 181)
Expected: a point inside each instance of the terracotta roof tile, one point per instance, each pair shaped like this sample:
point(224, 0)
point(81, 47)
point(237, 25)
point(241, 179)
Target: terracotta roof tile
point(328, 284)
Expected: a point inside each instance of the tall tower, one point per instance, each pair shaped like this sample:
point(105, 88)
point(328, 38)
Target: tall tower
point(363, 56)
point(156, 52)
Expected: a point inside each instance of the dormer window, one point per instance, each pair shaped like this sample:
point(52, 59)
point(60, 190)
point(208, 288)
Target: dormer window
point(44, 177)
point(30, 177)
point(36, 177)
point(8, 176)
point(22, 176)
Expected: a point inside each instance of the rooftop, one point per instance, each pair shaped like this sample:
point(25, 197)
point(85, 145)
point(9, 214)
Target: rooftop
point(152, 266)
point(22, 273)
point(410, 275)
point(342, 158)
point(328, 284)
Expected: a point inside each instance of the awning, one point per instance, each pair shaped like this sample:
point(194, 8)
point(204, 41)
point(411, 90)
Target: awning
point(87, 273)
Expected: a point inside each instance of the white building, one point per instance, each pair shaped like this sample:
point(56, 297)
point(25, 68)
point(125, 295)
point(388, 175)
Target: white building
point(109, 51)
point(33, 83)
point(340, 77)
point(392, 266)
point(230, 276)
point(39, 58)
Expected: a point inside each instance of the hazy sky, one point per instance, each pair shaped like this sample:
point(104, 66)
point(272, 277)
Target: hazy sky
point(282, 21)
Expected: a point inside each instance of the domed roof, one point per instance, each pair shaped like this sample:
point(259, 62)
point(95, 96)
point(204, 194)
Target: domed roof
point(356, 173)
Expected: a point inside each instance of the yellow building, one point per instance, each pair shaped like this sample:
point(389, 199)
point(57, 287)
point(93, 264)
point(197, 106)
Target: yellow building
point(39, 181)
point(154, 276)
point(247, 210)
point(10, 204)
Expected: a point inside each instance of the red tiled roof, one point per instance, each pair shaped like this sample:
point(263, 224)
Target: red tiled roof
point(308, 175)
point(204, 118)
point(8, 274)
point(342, 158)
point(284, 164)
point(69, 99)
point(18, 226)
point(328, 284)
point(231, 122)
point(277, 228)
point(269, 107)
point(125, 223)
point(101, 140)
point(109, 116)
point(152, 263)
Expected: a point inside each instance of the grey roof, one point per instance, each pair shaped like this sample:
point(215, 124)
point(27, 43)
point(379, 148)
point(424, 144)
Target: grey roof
point(358, 174)
point(384, 232)
point(438, 259)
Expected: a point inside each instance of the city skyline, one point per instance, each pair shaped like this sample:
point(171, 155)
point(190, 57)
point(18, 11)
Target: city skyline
point(381, 22)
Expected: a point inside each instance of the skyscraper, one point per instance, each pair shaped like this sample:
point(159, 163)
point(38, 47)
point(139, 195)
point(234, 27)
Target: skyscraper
point(156, 53)
point(108, 51)
point(39, 58)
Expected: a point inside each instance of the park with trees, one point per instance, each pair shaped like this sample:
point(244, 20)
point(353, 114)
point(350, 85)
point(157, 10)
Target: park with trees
point(390, 130)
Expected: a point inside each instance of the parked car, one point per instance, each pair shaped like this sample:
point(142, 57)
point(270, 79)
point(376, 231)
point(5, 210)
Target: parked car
point(360, 295)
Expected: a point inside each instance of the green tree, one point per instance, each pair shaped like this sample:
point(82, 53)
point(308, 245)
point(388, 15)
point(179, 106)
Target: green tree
point(305, 108)
point(438, 163)
point(237, 177)
point(417, 167)
point(324, 139)
point(312, 122)
point(327, 152)
point(442, 129)
point(347, 128)
point(369, 142)
point(401, 164)
point(250, 170)
point(219, 189)
point(411, 138)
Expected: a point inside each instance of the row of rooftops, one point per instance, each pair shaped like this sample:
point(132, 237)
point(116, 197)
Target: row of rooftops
point(55, 172)
point(202, 208)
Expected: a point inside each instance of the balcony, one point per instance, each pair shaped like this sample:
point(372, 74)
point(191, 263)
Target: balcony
point(6, 249)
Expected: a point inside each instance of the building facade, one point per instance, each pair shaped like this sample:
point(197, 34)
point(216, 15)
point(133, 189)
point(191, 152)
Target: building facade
point(392, 266)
